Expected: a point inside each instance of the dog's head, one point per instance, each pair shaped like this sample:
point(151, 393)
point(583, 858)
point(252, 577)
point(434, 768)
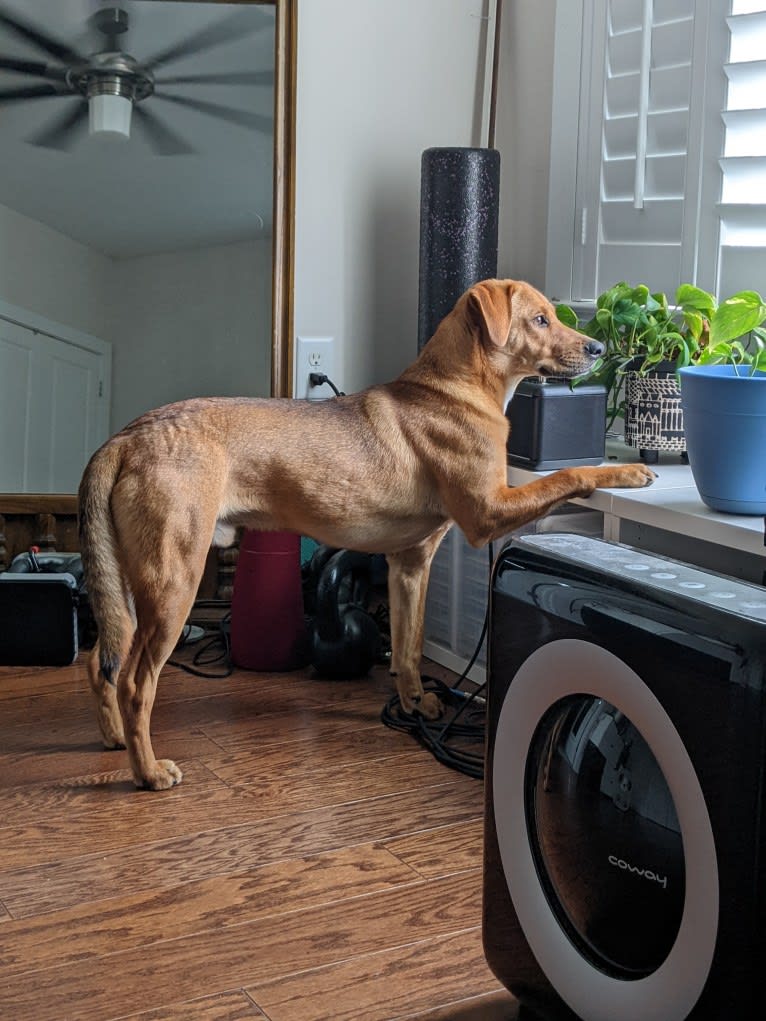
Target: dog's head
point(518, 322)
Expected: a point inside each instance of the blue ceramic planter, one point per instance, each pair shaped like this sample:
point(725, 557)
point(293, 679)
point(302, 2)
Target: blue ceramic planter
point(725, 426)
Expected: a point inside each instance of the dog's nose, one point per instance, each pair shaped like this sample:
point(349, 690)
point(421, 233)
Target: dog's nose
point(594, 348)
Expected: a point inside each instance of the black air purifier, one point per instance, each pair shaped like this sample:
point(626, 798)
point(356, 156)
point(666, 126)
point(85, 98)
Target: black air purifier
point(625, 801)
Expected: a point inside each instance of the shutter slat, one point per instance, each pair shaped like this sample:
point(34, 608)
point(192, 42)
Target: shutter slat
point(742, 210)
point(748, 36)
point(745, 80)
point(660, 222)
point(744, 178)
point(664, 177)
point(743, 224)
point(667, 134)
point(745, 132)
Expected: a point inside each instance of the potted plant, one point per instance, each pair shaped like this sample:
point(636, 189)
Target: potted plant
point(723, 395)
point(647, 340)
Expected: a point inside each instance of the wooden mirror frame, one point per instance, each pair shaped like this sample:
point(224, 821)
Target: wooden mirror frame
point(283, 233)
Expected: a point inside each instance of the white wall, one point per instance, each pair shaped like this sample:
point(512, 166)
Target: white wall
point(192, 323)
point(523, 136)
point(47, 273)
point(378, 82)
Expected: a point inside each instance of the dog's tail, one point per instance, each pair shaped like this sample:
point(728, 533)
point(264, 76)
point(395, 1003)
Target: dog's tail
point(104, 578)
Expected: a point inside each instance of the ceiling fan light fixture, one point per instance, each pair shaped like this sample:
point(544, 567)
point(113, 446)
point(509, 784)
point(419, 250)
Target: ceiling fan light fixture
point(109, 114)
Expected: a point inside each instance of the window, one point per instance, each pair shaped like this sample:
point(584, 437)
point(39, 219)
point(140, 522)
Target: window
point(669, 131)
point(742, 207)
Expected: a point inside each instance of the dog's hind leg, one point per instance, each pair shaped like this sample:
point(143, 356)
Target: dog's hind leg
point(107, 709)
point(136, 689)
point(162, 607)
point(407, 585)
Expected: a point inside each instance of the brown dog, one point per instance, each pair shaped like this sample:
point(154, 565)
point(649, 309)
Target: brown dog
point(387, 470)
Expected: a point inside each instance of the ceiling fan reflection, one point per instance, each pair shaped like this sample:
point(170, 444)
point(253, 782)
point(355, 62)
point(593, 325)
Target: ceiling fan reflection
point(104, 89)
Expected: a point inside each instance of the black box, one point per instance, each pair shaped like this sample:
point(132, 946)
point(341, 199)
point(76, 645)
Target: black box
point(38, 619)
point(555, 426)
point(43, 610)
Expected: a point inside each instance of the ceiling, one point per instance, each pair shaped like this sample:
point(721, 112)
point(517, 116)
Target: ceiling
point(120, 197)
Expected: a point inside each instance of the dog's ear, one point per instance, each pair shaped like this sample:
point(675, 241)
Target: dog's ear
point(489, 304)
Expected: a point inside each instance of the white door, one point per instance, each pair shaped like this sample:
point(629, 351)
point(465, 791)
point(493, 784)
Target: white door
point(53, 412)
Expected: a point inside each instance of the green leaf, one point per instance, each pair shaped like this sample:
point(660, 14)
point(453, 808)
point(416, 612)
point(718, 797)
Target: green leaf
point(567, 316)
point(608, 298)
point(737, 316)
point(715, 354)
point(628, 313)
point(685, 353)
point(604, 319)
point(695, 322)
point(691, 298)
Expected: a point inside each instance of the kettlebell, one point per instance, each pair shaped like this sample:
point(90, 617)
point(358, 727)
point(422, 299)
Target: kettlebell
point(345, 640)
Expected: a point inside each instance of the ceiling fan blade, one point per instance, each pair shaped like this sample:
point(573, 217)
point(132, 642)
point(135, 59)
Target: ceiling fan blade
point(232, 78)
point(246, 119)
point(29, 92)
point(61, 132)
point(233, 27)
point(162, 139)
point(33, 67)
point(26, 30)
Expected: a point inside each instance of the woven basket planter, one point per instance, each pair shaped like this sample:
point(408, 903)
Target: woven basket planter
point(654, 420)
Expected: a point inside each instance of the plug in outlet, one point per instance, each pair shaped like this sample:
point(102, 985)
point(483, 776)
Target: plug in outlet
point(315, 354)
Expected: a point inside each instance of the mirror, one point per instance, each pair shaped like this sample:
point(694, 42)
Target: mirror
point(135, 271)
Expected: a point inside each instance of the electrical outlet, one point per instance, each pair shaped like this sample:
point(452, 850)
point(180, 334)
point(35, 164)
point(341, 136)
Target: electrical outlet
point(315, 354)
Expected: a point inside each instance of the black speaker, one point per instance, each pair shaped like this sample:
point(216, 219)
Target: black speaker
point(44, 612)
point(626, 746)
point(554, 425)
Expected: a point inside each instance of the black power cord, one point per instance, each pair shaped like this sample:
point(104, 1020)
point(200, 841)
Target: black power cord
point(216, 649)
point(458, 741)
point(319, 378)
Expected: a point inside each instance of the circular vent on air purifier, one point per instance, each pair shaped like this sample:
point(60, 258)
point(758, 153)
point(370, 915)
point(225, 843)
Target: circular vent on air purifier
point(605, 836)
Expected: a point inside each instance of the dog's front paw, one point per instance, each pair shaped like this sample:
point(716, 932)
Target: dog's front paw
point(620, 476)
point(636, 476)
point(421, 703)
point(428, 705)
point(165, 774)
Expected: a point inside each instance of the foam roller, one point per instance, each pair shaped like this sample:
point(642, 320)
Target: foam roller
point(459, 204)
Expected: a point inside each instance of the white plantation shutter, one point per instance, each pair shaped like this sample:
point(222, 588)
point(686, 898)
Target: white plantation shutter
point(660, 108)
point(742, 207)
point(635, 195)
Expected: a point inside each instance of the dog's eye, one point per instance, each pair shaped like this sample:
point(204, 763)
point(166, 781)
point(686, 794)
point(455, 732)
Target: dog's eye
point(541, 321)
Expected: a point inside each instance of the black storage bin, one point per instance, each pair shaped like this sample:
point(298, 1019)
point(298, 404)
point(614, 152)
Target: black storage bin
point(44, 612)
point(556, 426)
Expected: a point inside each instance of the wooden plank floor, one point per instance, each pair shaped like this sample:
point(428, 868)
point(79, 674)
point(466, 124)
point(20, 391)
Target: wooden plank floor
point(314, 865)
